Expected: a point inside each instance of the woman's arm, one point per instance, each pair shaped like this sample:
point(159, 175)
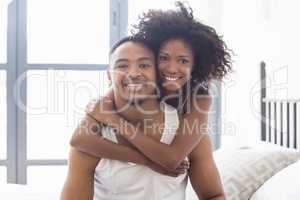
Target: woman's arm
point(203, 172)
point(87, 138)
point(190, 131)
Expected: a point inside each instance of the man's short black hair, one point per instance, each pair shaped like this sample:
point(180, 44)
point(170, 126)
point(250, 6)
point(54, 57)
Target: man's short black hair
point(131, 39)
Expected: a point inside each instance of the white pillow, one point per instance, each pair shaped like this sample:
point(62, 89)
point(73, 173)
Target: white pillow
point(285, 185)
point(243, 171)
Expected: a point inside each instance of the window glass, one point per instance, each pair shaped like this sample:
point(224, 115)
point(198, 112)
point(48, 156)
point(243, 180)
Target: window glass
point(3, 115)
point(68, 31)
point(3, 30)
point(55, 103)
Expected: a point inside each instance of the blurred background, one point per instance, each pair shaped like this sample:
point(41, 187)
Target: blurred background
point(54, 53)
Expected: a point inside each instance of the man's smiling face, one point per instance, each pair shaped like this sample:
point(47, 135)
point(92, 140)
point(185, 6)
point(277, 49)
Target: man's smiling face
point(132, 71)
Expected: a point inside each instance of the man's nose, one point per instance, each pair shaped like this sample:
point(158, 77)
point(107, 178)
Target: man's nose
point(134, 72)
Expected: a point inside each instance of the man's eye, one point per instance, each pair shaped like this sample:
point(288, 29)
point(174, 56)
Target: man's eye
point(121, 66)
point(163, 58)
point(145, 65)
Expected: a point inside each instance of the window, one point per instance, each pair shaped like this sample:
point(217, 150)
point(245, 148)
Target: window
point(78, 32)
point(2, 174)
point(57, 64)
point(3, 30)
point(58, 97)
point(3, 115)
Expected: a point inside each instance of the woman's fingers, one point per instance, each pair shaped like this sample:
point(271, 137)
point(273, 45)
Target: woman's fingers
point(99, 105)
point(185, 164)
point(183, 167)
point(91, 106)
point(181, 171)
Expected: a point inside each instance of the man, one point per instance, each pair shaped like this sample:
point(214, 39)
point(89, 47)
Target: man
point(133, 76)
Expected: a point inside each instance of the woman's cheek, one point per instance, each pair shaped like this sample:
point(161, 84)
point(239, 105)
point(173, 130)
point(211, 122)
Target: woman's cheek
point(187, 74)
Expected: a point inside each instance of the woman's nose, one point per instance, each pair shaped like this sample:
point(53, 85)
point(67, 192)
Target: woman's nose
point(171, 67)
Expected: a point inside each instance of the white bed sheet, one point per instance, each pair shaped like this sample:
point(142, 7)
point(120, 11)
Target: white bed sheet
point(28, 192)
point(285, 185)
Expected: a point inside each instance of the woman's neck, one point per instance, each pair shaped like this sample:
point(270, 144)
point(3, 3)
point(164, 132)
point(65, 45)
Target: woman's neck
point(171, 97)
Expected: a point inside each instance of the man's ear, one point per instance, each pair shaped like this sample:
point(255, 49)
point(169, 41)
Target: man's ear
point(109, 76)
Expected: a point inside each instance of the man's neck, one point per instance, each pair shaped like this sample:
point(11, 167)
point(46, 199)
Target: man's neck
point(137, 112)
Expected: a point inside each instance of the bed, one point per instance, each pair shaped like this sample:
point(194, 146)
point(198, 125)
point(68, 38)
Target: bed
point(28, 192)
point(269, 170)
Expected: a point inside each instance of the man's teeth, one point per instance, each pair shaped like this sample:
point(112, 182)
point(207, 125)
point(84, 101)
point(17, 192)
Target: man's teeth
point(171, 78)
point(134, 86)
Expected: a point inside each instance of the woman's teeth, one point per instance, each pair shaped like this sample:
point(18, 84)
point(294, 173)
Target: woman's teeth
point(171, 78)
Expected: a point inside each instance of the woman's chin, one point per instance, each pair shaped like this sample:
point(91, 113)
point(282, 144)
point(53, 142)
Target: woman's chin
point(173, 86)
point(171, 89)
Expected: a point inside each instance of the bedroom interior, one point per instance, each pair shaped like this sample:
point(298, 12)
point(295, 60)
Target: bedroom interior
point(255, 112)
point(270, 168)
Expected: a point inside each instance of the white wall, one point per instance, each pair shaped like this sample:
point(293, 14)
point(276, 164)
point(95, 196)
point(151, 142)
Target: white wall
point(257, 30)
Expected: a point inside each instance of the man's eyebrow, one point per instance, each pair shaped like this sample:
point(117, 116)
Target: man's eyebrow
point(126, 60)
point(163, 53)
point(121, 60)
point(144, 58)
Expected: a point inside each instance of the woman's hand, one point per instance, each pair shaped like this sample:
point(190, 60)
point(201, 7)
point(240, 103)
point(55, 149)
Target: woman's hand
point(181, 169)
point(102, 110)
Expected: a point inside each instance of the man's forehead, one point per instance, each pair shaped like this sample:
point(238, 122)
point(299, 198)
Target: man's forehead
point(132, 50)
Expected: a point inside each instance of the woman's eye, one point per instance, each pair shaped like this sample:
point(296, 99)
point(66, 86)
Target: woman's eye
point(183, 61)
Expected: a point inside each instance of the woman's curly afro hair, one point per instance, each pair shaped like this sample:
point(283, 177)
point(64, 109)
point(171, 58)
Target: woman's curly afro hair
point(212, 58)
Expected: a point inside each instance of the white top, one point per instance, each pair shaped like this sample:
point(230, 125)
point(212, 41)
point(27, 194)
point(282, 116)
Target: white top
point(117, 180)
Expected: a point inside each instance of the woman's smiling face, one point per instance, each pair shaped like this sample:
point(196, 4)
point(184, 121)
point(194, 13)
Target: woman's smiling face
point(175, 63)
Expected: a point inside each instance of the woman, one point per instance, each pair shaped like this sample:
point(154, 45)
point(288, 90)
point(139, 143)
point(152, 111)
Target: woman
point(193, 52)
point(190, 54)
